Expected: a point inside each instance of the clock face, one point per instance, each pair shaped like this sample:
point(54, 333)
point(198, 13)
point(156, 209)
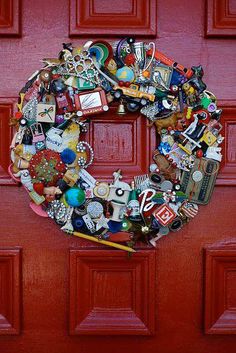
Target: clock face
point(90, 100)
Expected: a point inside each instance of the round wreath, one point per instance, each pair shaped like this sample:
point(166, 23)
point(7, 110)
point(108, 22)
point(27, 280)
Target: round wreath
point(50, 156)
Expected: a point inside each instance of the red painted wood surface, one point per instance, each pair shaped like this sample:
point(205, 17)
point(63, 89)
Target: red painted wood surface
point(104, 18)
point(179, 296)
point(227, 175)
point(112, 295)
point(220, 294)
point(120, 141)
point(10, 294)
point(10, 18)
point(48, 280)
point(7, 108)
point(221, 18)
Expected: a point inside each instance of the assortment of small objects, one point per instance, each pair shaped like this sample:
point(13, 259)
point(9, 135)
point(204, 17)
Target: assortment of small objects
point(50, 156)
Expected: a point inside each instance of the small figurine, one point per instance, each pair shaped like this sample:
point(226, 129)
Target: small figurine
point(119, 190)
point(167, 122)
point(25, 179)
point(118, 196)
point(112, 66)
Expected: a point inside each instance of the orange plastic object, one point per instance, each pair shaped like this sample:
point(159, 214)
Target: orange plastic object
point(165, 60)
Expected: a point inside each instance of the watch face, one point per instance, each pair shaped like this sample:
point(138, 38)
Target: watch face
point(95, 209)
point(90, 100)
point(176, 225)
point(101, 190)
point(197, 176)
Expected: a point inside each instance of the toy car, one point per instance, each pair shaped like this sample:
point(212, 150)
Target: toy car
point(133, 91)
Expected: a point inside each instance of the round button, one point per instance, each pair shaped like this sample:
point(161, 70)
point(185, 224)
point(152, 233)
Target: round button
point(155, 178)
point(174, 88)
point(45, 75)
point(145, 229)
point(166, 185)
point(95, 209)
point(199, 154)
point(197, 176)
point(211, 107)
point(77, 223)
point(119, 192)
point(177, 187)
point(176, 225)
point(101, 191)
point(23, 122)
point(153, 167)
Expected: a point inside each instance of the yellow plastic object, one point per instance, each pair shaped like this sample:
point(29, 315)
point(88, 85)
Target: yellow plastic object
point(186, 150)
point(19, 105)
point(63, 200)
point(105, 242)
point(189, 112)
point(209, 138)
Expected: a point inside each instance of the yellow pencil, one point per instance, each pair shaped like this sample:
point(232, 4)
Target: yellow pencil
point(105, 242)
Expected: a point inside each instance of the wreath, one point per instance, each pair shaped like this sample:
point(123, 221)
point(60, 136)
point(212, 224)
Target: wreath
point(51, 157)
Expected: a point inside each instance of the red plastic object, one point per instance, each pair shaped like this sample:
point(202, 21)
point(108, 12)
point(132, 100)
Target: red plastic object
point(38, 210)
point(166, 60)
point(119, 237)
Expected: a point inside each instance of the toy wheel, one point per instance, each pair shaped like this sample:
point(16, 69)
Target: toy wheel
point(132, 106)
point(118, 94)
point(143, 101)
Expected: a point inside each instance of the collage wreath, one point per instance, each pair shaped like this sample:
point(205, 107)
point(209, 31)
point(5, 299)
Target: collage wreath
point(51, 157)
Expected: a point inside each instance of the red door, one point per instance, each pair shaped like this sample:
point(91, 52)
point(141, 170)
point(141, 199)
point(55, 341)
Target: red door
point(62, 294)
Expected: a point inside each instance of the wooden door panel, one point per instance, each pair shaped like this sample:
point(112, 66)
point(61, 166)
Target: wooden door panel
point(221, 18)
point(10, 18)
point(10, 291)
point(111, 293)
point(179, 292)
point(106, 18)
point(227, 174)
point(220, 289)
point(120, 142)
point(7, 107)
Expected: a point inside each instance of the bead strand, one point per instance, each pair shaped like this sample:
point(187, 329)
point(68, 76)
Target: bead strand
point(81, 147)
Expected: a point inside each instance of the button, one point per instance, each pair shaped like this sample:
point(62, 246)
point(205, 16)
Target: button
point(95, 209)
point(155, 178)
point(119, 192)
point(176, 225)
point(197, 176)
point(101, 190)
point(166, 185)
point(23, 122)
point(153, 167)
point(77, 223)
point(45, 76)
